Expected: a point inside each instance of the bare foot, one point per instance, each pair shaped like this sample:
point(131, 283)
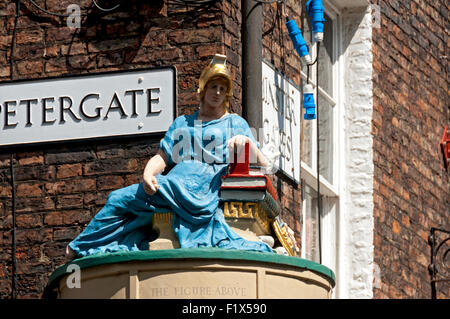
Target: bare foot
point(70, 254)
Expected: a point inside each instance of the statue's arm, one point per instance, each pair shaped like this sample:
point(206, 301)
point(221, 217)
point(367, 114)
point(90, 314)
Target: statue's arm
point(260, 158)
point(155, 166)
point(238, 142)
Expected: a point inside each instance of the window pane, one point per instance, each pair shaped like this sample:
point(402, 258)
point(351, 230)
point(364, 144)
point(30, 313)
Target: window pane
point(326, 57)
point(326, 139)
point(307, 142)
point(311, 226)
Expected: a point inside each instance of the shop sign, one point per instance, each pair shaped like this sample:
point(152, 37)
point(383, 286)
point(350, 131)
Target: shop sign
point(281, 119)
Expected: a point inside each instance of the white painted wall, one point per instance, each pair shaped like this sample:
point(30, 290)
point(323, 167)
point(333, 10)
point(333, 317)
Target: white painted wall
point(355, 225)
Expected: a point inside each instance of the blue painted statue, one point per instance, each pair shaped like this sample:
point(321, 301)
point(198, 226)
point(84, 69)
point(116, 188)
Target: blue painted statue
point(197, 149)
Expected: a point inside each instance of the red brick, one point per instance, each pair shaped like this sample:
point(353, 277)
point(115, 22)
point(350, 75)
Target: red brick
point(54, 65)
point(5, 41)
point(30, 158)
point(169, 54)
point(30, 67)
point(208, 51)
point(405, 221)
point(53, 219)
point(396, 227)
point(133, 165)
point(76, 217)
point(112, 45)
point(5, 191)
point(188, 98)
point(51, 52)
point(69, 201)
point(33, 235)
point(68, 170)
point(73, 48)
point(67, 218)
point(29, 221)
point(395, 122)
point(59, 34)
point(64, 233)
point(115, 58)
point(110, 182)
point(133, 179)
point(187, 83)
point(36, 204)
point(29, 190)
point(155, 38)
point(69, 157)
point(5, 224)
point(208, 19)
point(82, 61)
point(29, 36)
point(405, 195)
point(195, 36)
point(70, 186)
point(117, 165)
point(33, 51)
point(114, 28)
point(98, 199)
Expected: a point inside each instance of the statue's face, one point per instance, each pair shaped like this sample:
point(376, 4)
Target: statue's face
point(215, 92)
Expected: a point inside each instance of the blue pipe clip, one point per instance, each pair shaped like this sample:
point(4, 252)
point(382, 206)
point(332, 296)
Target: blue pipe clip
point(308, 102)
point(297, 40)
point(316, 12)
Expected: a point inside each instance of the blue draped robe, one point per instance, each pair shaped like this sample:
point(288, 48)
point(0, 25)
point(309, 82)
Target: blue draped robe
point(198, 154)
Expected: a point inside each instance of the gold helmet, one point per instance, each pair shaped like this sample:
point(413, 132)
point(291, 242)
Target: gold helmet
point(216, 69)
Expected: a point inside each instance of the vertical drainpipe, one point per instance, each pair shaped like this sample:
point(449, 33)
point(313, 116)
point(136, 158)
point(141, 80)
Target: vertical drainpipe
point(252, 63)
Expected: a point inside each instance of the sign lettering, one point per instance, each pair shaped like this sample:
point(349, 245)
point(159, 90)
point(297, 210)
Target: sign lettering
point(101, 105)
point(281, 119)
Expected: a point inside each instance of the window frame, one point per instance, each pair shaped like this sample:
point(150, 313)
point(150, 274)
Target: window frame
point(330, 192)
point(309, 173)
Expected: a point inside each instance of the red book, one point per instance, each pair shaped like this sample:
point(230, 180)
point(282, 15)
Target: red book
point(240, 177)
point(241, 163)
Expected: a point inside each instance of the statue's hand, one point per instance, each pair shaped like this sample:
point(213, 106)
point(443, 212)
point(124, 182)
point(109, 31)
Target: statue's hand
point(236, 145)
point(238, 142)
point(150, 185)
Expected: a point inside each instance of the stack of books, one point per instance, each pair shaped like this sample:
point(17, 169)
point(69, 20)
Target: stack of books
point(245, 184)
point(249, 184)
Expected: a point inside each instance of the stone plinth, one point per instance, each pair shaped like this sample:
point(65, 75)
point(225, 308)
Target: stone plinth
point(200, 273)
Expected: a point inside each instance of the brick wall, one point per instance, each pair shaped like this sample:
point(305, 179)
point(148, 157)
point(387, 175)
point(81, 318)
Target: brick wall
point(61, 187)
point(411, 186)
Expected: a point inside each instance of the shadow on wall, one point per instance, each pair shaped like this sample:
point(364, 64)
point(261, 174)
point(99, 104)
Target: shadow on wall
point(115, 36)
point(135, 32)
point(356, 16)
